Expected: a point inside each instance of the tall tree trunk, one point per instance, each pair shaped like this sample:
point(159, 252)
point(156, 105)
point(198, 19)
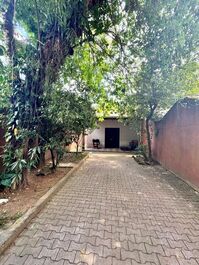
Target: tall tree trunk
point(42, 159)
point(25, 172)
point(77, 148)
point(148, 139)
point(9, 29)
point(53, 159)
point(77, 144)
point(152, 110)
point(83, 141)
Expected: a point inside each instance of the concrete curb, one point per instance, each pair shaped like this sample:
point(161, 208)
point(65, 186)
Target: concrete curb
point(8, 236)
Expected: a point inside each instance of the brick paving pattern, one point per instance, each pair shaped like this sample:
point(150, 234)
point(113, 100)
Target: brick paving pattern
point(114, 212)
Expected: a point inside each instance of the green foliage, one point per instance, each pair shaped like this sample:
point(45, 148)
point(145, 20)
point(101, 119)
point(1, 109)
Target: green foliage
point(88, 71)
point(159, 57)
point(53, 137)
point(73, 116)
point(15, 163)
point(163, 42)
point(5, 73)
point(46, 32)
point(5, 90)
point(34, 156)
point(187, 77)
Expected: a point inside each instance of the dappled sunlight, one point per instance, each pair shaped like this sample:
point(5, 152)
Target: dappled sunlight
point(116, 244)
point(88, 258)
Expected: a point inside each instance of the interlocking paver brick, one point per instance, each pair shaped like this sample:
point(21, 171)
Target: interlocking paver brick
point(191, 254)
point(88, 239)
point(29, 233)
point(178, 252)
point(160, 241)
point(48, 261)
point(155, 249)
point(125, 254)
point(44, 242)
point(172, 260)
point(94, 249)
point(66, 255)
point(187, 262)
point(137, 246)
point(112, 252)
point(122, 262)
point(114, 236)
point(191, 238)
point(71, 237)
point(120, 244)
point(103, 261)
point(68, 229)
point(103, 242)
point(17, 250)
point(177, 244)
point(102, 227)
point(34, 261)
point(58, 235)
point(82, 231)
point(64, 222)
point(24, 240)
point(46, 252)
point(192, 245)
point(77, 246)
point(41, 233)
point(14, 259)
point(143, 239)
point(152, 257)
point(85, 258)
point(90, 226)
point(61, 244)
point(113, 212)
point(28, 250)
point(47, 221)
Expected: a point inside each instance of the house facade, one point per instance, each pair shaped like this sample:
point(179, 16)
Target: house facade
point(111, 133)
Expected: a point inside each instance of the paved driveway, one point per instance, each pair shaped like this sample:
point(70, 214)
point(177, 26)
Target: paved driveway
point(114, 211)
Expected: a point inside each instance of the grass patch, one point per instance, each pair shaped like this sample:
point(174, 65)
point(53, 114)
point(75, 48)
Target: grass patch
point(5, 218)
point(73, 157)
point(16, 216)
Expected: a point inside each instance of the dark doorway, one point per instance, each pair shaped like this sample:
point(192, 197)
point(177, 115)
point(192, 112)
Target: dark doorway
point(112, 137)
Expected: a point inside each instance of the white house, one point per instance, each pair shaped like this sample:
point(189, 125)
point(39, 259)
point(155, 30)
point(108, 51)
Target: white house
point(112, 134)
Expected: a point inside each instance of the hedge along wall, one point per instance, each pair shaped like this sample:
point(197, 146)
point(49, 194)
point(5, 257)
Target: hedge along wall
point(175, 140)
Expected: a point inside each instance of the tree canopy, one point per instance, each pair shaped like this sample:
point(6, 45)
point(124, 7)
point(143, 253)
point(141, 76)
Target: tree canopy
point(161, 57)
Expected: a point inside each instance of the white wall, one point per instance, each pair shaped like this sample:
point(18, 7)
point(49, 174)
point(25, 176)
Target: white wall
point(126, 134)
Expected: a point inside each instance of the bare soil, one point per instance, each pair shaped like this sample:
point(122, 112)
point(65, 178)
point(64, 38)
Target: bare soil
point(23, 199)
